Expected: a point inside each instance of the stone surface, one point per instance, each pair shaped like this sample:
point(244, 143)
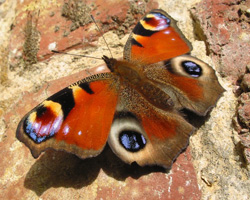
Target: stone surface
point(67, 25)
point(247, 154)
point(242, 120)
point(245, 84)
point(244, 109)
point(245, 139)
point(224, 24)
point(214, 165)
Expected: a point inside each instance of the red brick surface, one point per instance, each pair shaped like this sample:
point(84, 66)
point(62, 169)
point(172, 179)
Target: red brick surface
point(226, 27)
point(55, 28)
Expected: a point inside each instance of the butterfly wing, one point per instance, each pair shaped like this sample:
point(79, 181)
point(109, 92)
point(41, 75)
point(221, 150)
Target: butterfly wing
point(77, 119)
point(148, 127)
point(155, 38)
point(189, 82)
point(145, 134)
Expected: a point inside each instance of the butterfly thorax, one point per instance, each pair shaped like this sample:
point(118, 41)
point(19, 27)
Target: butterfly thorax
point(132, 74)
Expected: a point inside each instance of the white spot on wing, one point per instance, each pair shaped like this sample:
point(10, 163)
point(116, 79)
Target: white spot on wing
point(56, 124)
point(66, 130)
point(167, 32)
point(37, 125)
point(44, 129)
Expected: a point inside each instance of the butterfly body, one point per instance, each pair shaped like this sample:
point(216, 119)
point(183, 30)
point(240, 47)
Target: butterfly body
point(136, 107)
point(133, 74)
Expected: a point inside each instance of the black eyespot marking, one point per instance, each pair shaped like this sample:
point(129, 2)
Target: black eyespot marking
point(132, 141)
point(66, 99)
point(192, 68)
point(168, 66)
point(140, 30)
point(85, 86)
point(40, 111)
point(29, 130)
point(158, 22)
point(134, 42)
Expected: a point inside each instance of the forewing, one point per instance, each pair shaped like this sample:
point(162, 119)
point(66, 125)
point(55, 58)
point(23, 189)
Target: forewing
point(155, 38)
point(77, 119)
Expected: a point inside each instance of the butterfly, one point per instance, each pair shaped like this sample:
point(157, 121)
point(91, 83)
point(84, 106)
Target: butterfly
point(136, 108)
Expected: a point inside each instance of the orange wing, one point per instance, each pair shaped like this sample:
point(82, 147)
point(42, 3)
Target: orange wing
point(156, 38)
point(77, 119)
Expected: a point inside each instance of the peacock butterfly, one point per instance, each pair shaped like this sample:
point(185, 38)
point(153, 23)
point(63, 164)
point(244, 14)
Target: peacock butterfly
point(136, 107)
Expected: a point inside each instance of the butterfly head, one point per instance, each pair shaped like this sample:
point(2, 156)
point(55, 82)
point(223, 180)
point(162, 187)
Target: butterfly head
point(110, 62)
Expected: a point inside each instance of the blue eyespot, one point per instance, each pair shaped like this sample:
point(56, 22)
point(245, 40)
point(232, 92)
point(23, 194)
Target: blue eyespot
point(132, 141)
point(192, 68)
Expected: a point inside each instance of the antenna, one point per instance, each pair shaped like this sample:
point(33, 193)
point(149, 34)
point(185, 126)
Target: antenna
point(101, 34)
point(75, 54)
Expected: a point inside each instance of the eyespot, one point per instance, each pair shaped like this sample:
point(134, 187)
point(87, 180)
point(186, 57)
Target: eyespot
point(158, 21)
point(161, 16)
point(40, 111)
point(132, 140)
point(192, 68)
